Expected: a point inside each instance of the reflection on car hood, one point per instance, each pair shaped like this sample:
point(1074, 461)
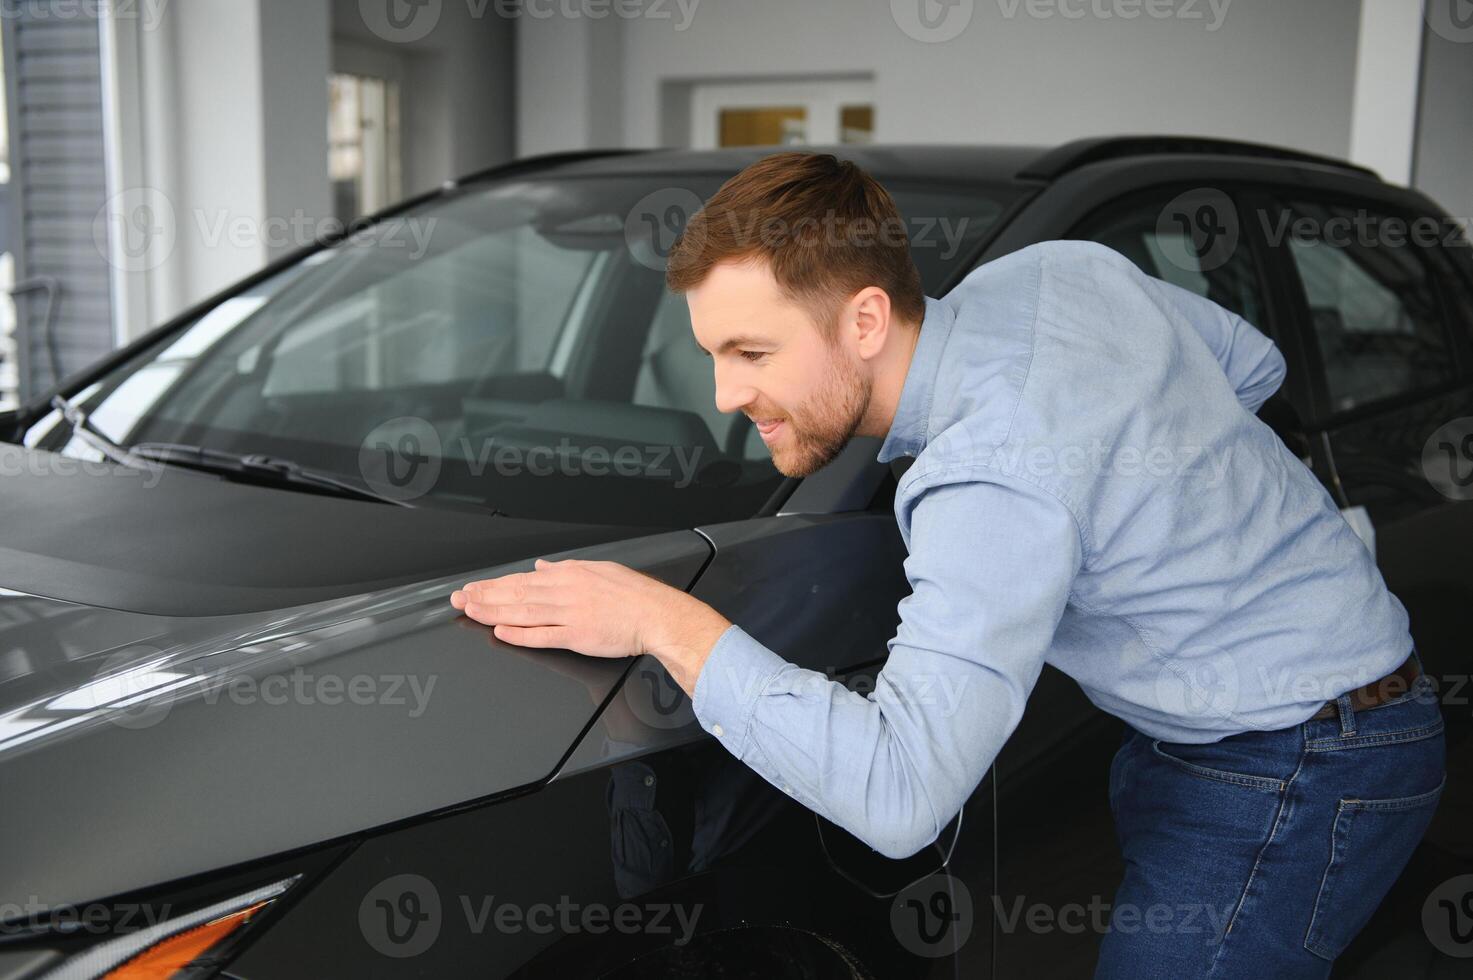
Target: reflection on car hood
point(180, 543)
point(139, 747)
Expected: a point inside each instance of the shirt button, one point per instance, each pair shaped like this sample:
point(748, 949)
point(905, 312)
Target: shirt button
point(787, 789)
point(717, 730)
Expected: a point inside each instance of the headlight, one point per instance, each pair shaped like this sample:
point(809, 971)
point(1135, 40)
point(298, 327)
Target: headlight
point(166, 949)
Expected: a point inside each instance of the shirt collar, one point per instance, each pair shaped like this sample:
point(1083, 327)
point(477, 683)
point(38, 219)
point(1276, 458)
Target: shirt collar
point(907, 436)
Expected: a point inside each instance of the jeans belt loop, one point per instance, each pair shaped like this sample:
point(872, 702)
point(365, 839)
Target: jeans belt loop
point(1347, 714)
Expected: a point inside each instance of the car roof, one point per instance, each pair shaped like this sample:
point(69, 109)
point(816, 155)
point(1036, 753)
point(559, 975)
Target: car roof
point(950, 162)
point(923, 161)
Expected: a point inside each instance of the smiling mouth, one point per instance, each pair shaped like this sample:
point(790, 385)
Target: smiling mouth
point(767, 428)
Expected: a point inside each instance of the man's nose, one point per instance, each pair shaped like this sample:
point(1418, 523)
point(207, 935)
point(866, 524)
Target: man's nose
point(732, 396)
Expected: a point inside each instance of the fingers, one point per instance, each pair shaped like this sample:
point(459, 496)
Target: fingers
point(516, 614)
point(517, 588)
point(535, 636)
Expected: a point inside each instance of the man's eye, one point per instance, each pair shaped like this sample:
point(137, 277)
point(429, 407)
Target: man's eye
point(753, 355)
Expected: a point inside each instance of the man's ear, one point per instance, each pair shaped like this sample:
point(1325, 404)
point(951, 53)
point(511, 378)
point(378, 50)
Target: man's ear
point(871, 313)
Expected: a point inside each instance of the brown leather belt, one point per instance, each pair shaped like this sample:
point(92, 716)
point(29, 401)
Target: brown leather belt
point(1388, 688)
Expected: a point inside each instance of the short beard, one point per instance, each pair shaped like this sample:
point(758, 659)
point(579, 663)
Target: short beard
point(828, 420)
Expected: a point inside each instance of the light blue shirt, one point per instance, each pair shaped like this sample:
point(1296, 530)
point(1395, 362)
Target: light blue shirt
point(1090, 489)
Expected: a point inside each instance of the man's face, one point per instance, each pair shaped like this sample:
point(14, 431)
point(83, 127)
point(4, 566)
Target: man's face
point(773, 364)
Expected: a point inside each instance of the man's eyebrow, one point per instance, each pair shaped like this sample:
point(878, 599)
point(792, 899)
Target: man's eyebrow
point(731, 342)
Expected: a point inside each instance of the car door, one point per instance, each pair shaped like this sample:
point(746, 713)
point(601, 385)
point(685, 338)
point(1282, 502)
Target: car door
point(1380, 290)
point(823, 590)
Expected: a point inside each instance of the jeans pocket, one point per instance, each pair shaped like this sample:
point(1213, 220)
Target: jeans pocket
point(1370, 843)
point(1227, 760)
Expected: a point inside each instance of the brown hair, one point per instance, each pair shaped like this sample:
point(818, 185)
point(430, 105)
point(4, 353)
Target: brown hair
point(826, 228)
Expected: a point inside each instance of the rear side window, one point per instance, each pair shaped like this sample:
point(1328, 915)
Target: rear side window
point(1188, 238)
point(1373, 304)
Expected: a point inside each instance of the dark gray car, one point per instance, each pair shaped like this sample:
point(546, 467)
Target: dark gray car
point(241, 727)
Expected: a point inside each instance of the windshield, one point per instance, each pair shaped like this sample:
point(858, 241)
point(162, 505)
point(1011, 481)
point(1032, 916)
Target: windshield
point(509, 347)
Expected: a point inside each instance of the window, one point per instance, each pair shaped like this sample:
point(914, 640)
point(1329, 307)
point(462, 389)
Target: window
point(363, 153)
point(9, 375)
point(764, 126)
point(785, 112)
point(493, 304)
point(1190, 240)
point(515, 333)
point(1373, 307)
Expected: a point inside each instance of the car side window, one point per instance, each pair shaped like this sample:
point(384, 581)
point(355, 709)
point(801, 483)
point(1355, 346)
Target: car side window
point(1373, 304)
point(1190, 239)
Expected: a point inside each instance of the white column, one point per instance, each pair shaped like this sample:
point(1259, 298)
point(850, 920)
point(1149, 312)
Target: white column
point(569, 81)
point(1388, 64)
point(217, 141)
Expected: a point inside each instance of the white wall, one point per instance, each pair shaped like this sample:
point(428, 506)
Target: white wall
point(1267, 70)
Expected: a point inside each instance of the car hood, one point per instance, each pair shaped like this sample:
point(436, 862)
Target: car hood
point(182, 543)
point(140, 743)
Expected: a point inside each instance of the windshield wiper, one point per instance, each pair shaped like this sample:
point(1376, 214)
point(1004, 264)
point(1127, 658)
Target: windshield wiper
point(92, 436)
point(273, 468)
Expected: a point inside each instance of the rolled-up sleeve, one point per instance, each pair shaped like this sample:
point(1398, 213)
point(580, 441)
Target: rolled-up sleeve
point(991, 563)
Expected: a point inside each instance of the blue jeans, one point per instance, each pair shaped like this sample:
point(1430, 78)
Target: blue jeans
point(1263, 854)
